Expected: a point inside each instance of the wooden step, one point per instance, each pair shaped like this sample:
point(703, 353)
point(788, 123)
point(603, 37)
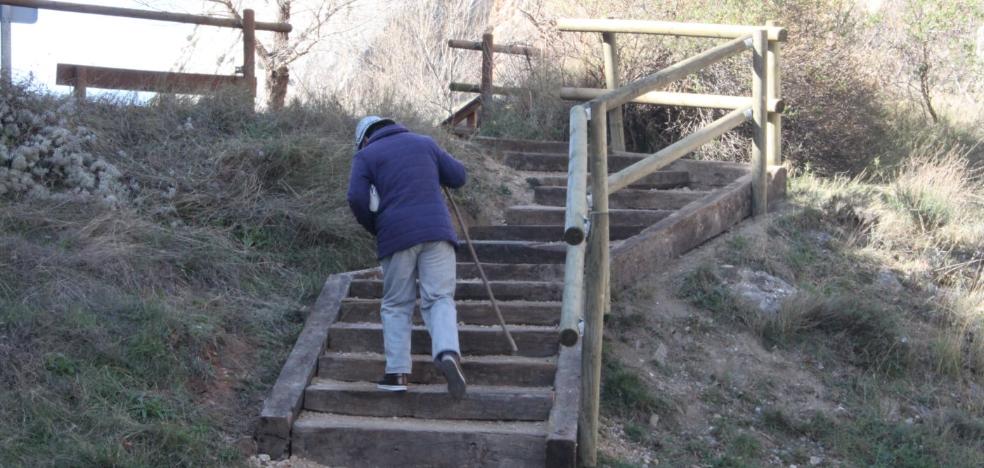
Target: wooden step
point(510, 251)
point(470, 312)
point(511, 144)
point(479, 370)
point(532, 341)
point(551, 233)
point(513, 271)
point(475, 289)
point(656, 180)
point(499, 271)
point(552, 162)
point(338, 440)
point(626, 198)
point(430, 401)
point(539, 214)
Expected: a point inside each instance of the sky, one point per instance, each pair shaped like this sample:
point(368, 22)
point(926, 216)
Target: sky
point(61, 37)
point(109, 41)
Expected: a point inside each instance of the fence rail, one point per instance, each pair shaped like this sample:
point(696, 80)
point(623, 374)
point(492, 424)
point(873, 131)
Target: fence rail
point(82, 76)
point(591, 125)
point(145, 14)
point(477, 110)
point(668, 98)
point(664, 28)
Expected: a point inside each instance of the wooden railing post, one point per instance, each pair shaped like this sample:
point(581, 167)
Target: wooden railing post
point(617, 127)
point(774, 127)
point(81, 82)
point(249, 51)
point(759, 141)
point(596, 282)
point(486, 84)
point(5, 49)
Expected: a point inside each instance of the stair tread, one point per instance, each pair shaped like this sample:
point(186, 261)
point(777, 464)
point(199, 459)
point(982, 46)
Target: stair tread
point(518, 303)
point(477, 281)
point(466, 327)
point(561, 208)
point(323, 384)
point(313, 420)
point(503, 359)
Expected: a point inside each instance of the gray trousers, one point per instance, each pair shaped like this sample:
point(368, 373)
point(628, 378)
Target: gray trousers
point(433, 265)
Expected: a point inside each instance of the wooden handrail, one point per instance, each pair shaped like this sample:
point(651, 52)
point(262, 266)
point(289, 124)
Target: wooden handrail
point(667, 98)
point(465, 111)
point(577, 178)
point(514, 49)
point(673, 72)
point(595, 258)
point(474, 88)
point(677, 150)
point(724, 31)
point(576, 212)
point(144, 14)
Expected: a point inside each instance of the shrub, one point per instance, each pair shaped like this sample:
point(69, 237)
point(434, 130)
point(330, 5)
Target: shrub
point(44, 153)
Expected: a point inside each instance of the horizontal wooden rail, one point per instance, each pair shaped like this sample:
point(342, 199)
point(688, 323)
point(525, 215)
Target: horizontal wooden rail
point(514, 49)
point(474, 88)
point(673, 72)
point(666, 98)
point(728, 31)
point(467, 111)
point(677, 150)
point(144, 14)
point(139, 80)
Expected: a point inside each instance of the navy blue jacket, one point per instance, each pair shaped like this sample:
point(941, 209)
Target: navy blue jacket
point(408, 171)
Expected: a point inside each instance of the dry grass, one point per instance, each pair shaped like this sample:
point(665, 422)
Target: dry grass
point(147, 333)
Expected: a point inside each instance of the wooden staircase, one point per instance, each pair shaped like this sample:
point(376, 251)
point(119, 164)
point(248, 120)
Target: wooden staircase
point(520, 410)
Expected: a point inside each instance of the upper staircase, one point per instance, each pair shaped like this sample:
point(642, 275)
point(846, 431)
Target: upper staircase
point(520, 410)
point(552, 264)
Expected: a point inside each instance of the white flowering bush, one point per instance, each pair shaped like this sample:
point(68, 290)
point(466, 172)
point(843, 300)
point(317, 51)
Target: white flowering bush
point(44, 155)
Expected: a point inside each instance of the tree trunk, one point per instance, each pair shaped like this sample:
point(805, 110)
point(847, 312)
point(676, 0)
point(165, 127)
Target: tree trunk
point(278, 75)
point(276, 87)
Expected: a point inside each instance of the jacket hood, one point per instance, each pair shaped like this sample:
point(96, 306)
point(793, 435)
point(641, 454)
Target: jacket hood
point(391, 129)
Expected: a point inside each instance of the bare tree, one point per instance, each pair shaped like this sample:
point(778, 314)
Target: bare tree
point(275, 57)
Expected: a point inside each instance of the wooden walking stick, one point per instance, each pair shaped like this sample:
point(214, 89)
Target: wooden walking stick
point(481, 272)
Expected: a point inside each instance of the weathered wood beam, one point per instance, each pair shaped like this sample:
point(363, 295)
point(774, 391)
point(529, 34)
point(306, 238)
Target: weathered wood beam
point(674, 72)
point(145, 14)
point(513, 49)
point(572, 308)
point(665, 28)
point(141, 80)
point(677, 150)
point(474, 88)
point(760, 183)
point(668, 98)
point(596, 288)
point(774, 128)
point(616, 127)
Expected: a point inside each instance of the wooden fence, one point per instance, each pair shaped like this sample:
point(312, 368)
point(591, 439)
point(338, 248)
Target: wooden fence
point(476, 110)
point(82, 77)
point(587, 270)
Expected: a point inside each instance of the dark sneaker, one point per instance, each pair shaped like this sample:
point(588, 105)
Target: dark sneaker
point(393, 383)
point(451, 368)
